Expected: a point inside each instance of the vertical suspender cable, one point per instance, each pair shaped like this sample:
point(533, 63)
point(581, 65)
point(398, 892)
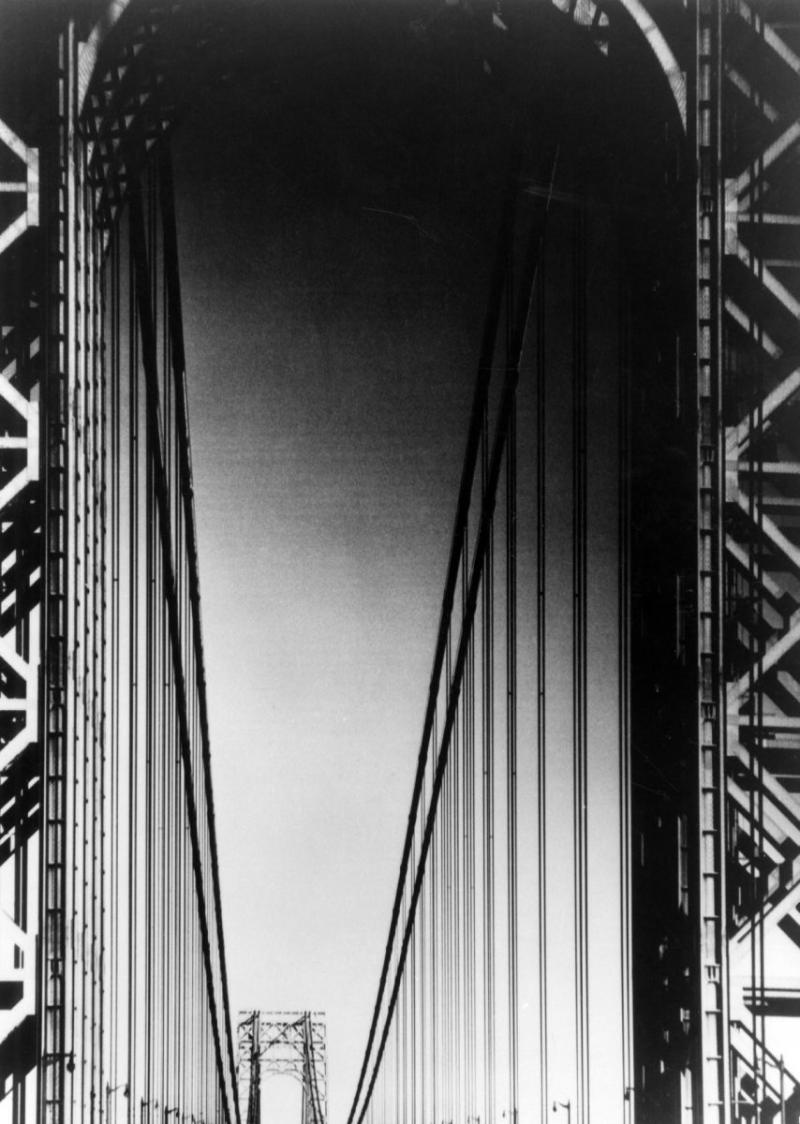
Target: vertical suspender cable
point(474, 590)
point(100, 596)
point(403, 1113)
point(397, 1110)
point(82, 812)
point(470, 1094)
point(579, 663)
point(756, 459)
point(107, 826)
point(163, 686)
point(447, 957)
point(116, 884)
point(78, 919)
point(454, 563)
point(434, 949)
point(511, 762)
point(456, 921)
point(423, 983)
point(541, 668)
point(756, 650)
point(133, 688)
point(102, 607)
point(149, 795)
point(414, 1031)
point(487, 711)
point(623, 594)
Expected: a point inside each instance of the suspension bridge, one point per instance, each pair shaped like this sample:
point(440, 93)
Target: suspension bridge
point(596, 908)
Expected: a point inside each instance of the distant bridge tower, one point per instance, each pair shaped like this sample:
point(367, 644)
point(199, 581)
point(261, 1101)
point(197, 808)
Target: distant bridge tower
point(277, 1043)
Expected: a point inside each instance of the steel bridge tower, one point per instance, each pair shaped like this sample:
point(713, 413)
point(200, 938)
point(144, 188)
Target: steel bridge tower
point(283, 1044)
point(113, 993)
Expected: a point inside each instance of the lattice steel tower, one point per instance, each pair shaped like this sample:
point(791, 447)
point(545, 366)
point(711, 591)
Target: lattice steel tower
point(278, 1044)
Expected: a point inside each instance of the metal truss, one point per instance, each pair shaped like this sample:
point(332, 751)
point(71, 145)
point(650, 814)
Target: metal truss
point(761, 411)
point(283, 1044)
point(21, 353)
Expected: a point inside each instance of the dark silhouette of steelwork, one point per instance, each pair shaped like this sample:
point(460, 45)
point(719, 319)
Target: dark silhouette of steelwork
point(283, 1044)
point(113, 994)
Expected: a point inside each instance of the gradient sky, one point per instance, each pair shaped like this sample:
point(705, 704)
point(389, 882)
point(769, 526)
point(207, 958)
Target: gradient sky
point(331, 350)
point(338, 174)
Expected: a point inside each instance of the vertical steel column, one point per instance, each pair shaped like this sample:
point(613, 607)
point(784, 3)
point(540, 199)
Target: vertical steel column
point(762, 555)
point(58, 585)
point(254, 1095)
point(711, 1079)
point(21, 357)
